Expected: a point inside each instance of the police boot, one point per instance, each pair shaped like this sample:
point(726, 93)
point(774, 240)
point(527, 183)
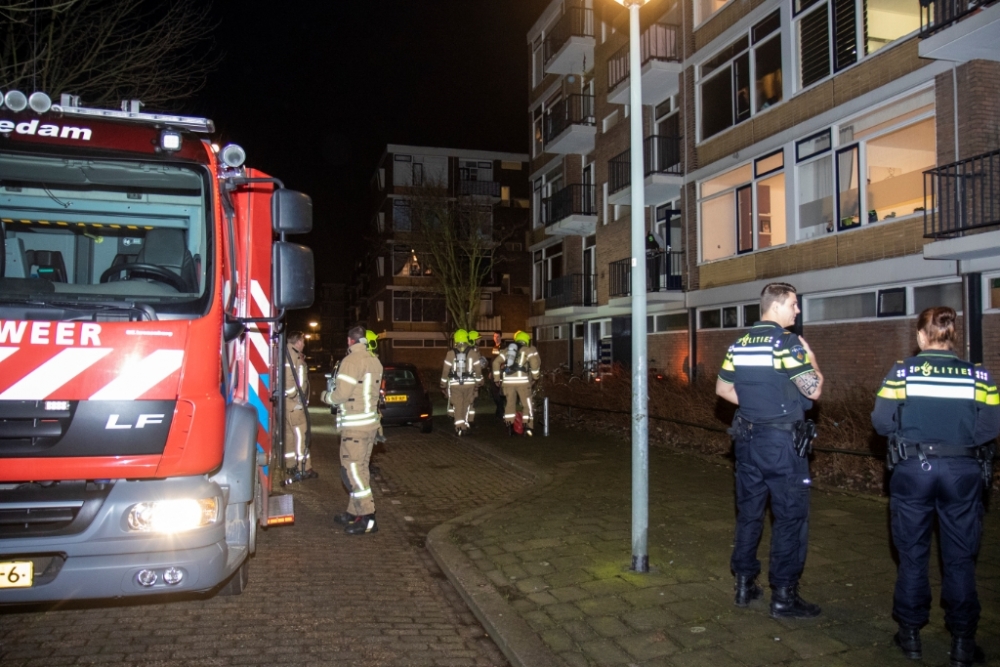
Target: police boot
point(362, 525)
point(786, 603)
point(344, 518)
point(747, 590)
point(908, 641)
point(964, 652)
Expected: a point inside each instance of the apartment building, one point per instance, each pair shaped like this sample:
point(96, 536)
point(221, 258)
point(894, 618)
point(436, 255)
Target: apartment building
point(402, 301)
point(845, 146)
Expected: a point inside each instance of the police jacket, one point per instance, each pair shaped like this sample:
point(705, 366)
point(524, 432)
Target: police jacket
point(762, 364)
point(521, 367)
point(462, 367)
point(937, 398)
point(295, 369)
point(358, 382)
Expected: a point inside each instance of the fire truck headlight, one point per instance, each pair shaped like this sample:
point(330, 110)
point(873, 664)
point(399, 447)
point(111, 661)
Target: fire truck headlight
point(233, 155)
point(173, 516)
point(15, 100)
point(170, 140)
point(39, 102)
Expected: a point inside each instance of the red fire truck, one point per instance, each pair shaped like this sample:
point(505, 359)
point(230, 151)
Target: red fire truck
point(145, 273)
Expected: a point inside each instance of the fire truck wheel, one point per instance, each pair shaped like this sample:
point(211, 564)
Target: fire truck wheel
point(238, 582)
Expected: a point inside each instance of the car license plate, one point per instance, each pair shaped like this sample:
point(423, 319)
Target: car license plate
point(16, 574)
point(396, 398)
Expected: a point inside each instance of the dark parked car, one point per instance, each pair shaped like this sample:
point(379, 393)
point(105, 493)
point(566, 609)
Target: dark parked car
point(403, 399)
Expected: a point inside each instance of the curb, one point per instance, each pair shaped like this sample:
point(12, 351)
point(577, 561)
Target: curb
point(513, 636)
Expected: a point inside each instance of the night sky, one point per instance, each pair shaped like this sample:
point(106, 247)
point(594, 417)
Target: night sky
point(315, 90)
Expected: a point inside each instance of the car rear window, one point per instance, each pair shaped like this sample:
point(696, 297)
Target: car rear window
point(399, 378)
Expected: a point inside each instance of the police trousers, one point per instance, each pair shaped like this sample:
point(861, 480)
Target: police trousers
point(355, 453)
point(952, 490)
point(512, 392)
point(462, 396)
point(296, 427)
point(767, 466)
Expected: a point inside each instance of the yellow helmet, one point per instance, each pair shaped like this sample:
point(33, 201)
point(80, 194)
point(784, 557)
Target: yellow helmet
point(371, 339)
point(461, 337)
point(473, 337)
point(522, 337)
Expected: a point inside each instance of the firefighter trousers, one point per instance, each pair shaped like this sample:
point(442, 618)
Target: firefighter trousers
point(296, 427)
point(462, 396)
point(355, 453)
point(514, 392)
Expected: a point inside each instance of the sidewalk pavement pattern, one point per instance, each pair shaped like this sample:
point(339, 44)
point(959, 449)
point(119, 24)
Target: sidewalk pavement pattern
point(548, 573)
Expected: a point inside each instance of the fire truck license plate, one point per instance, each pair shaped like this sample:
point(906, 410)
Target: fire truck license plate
point(398, 398)
point(16, 574)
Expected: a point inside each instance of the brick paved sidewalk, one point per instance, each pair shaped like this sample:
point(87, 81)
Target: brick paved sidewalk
point(548, 573)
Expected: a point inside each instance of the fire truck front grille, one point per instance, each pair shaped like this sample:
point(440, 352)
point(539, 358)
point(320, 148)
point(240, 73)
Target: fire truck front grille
point(28, 427)
point(49, 509)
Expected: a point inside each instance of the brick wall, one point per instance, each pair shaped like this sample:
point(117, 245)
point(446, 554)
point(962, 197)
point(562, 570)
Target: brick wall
point(978, 111)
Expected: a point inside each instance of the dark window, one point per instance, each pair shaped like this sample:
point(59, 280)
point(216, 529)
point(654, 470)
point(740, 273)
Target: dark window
point(845, 33)
point(892, 302)
point(729, 317)
point(814, 46)
point(716, 104)
point(751, 314)
point(710, 319)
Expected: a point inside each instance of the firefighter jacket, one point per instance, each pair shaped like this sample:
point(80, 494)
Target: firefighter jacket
point(462, 367)
point(296, 369)
point(520, 366)
point(358, 382)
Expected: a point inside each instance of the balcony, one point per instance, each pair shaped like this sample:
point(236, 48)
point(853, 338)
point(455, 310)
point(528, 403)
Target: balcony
point(959, 30)
point(571, 212)
point(662, 167)
point(962, 208)
point(570, 43)
point(570, 126)
point(663, 277)
point(660, 54)
point(479, 189)
point(577, 292)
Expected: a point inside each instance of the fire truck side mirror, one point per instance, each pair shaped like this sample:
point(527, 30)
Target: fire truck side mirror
point(293, 282)
point(291, 212)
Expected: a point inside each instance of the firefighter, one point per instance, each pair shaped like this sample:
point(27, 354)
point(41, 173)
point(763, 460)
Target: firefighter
point(517, 366)
point(371, 342)
point(297, 459)
point(474, 342)
point(940, 413)
point(357, 392)
point(460, 378)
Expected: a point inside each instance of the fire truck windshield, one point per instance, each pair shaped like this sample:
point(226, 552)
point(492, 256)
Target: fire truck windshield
point(96, 231)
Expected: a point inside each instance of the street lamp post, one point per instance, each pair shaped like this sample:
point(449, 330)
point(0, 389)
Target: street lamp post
point(640, 371)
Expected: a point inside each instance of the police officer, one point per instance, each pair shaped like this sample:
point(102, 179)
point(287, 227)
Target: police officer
point(297, 459)
point(460, 378)
point(937, 411)
point(358, 382)
point(771, 374)
point(518, 367)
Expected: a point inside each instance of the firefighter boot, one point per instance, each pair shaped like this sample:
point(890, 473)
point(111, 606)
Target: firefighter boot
point(362, 525)
point(747, 590)
point(786, 603)
point(965, 653)
point(908, 641)
point(344, 518)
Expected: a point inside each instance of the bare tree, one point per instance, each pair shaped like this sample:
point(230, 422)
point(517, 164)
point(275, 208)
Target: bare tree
point(157, 52)
point(458, 245)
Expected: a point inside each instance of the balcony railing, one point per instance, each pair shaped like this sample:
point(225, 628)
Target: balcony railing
point(574, 110)
point(661, 41)
point(939, 14)
point(661, 154)
point(574, 199)
point(479, 188)
point(577, 289)
point(962, 196)
point(663, 273)
point(576, 22)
